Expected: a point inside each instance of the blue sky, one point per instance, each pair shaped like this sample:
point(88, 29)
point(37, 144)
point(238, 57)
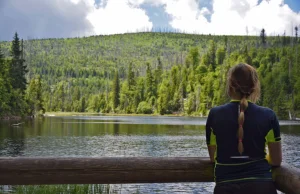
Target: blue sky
point(161, 19)
point(294, 4)
point(70, 18)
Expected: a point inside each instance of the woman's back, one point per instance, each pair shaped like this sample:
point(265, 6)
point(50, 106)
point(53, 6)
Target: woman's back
point(260, 126)
point(237, 134)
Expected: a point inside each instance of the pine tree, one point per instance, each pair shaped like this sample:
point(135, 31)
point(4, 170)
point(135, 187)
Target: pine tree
point(158, 71)
point(1, 55)
point(82, 104)
point(296, 34)
point(220, 56)
point(212, 53)
point(225, 43)
point(18, 66)
point(174, 80)
point(2, 63)
point(76, 94)
point(263, 37)
point(193, 58)
point(149, 82)
point(130, 77)
point(116, 90)
point(5, 86)
point(284, 39)
point(40, 103)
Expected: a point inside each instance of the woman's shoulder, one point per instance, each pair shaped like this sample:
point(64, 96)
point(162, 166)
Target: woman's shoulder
point(259, 110)
point(263, 109)
point(220, 107)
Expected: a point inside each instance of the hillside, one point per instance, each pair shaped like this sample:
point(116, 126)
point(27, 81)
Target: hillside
point(185, 73)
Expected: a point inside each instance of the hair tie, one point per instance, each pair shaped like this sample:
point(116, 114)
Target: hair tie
point(241, 126)
point(242, 110)
point(240, 140)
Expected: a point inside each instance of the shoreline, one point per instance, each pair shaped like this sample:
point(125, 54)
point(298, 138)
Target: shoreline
point(10, 118)
point(52, 114)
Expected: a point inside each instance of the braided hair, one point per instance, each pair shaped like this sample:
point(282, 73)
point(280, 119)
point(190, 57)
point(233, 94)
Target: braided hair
point(242, 81)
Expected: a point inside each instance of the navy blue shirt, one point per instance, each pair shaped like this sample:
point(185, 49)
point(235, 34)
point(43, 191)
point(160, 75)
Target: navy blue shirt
point(260, 127)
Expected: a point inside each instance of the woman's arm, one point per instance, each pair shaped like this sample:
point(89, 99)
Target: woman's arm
point(212, 151)
point(210, 138)
point(274, 143)
point(275, 153)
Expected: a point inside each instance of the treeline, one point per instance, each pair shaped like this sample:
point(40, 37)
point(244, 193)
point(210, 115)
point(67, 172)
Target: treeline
point(162, 73)
point(15, 98)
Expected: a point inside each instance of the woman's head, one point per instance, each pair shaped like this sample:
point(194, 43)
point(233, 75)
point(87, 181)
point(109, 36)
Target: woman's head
point(242, 82)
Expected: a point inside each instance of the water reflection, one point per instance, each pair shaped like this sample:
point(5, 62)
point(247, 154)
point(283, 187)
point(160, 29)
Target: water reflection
point(12, 140)
point(116, 129)
point(124, 136)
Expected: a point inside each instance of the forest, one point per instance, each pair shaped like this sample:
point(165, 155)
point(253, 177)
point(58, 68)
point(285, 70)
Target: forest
point(144, 73)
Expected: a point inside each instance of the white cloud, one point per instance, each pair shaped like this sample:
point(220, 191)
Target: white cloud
point(117, 16)
point(204, 11)
point(44, 18)
point(65, 18)
point(229, 16)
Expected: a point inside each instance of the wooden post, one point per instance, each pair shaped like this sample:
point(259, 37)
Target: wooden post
point(287, 179)
point(123, 170)
point(113, 170)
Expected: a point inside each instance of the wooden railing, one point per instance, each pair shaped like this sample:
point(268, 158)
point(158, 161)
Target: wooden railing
point(122, 170)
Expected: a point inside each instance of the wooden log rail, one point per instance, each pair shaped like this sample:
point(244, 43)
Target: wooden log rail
point(123, 170)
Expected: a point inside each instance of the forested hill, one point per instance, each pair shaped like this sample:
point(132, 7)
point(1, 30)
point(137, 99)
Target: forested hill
point(158, 72)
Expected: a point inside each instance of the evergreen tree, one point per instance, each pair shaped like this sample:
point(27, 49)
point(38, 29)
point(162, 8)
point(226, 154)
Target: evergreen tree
point(284, 39)
point(263, 37)
point(163, 101)
point(116, 90)
point(5, 86)
point(2, 64)
point(131, 77)
point(212, 53)
point(149, 83)
point(93, 103)
point(245, 56)
point(193, 58)
point(17, 66)
point(158, 71)
point(76, 94)
point(60, 96)
point(1, 55)
point(34, 97)
point(83, 104)
point(225, 43)
point(296, 33)
point(220, 56)
point(174, 80)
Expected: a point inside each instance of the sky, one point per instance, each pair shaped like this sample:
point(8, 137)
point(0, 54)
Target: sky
point(77, 18)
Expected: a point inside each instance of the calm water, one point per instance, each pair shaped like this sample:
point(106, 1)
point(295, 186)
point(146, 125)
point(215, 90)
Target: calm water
point(97, 136)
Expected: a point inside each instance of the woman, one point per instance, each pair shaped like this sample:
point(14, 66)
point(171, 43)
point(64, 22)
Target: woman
point(237, 134)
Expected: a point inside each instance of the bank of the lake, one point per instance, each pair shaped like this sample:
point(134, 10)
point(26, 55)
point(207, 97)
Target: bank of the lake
point(49, 114)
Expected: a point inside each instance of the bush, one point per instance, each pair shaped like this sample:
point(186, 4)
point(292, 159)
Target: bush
point(144, 108)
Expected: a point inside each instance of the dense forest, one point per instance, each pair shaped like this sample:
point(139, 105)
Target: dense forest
point(149, 73)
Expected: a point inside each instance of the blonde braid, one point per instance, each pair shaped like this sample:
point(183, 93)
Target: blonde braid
point(241, 119)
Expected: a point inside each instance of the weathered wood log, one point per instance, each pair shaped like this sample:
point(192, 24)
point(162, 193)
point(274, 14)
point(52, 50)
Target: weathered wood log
point(287, 179)
point(33, 171)
point(122, 170)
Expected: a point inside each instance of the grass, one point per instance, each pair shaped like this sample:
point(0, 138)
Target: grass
point(59, 189)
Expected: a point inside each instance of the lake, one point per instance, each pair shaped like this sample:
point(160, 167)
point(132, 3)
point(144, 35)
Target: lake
point(98, 136)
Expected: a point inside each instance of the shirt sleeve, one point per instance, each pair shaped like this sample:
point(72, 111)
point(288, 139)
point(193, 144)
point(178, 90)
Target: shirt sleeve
point(210, 136)
point(274, 133)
